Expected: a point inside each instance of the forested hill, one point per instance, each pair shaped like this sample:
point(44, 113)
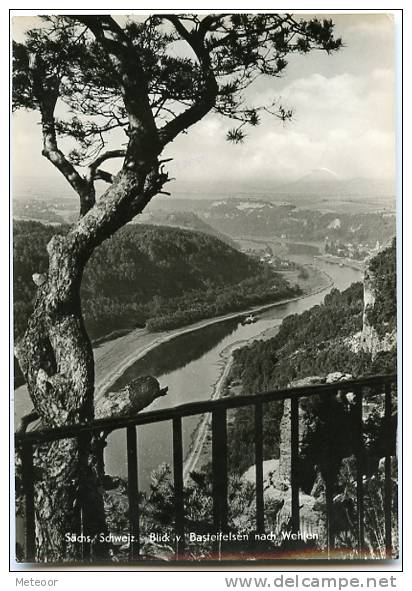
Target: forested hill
point(325, 338)
point(153, 275)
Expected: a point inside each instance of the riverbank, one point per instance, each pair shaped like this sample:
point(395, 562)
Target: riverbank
point(191, 366)
point(200, 451)
point(114, 357)
point(202, 432)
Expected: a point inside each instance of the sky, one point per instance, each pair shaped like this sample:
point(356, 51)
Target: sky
point(344, 113)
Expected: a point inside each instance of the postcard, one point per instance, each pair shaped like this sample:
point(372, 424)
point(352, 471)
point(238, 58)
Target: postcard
point(205, 288)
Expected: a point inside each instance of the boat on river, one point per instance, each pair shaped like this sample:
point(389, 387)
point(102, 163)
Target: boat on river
point(251, 319)
point(191, 365)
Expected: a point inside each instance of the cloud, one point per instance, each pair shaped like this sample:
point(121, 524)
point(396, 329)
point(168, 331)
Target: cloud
point(344, 123)
point(343, 120)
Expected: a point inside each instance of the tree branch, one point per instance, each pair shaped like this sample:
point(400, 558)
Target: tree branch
point(134, 397)
point(207, 98)
point(52, 152)
point(210, 23)
point(96, 173)
point(127, 402)
point(106, 156)
point(103, 175)
point(133, 85)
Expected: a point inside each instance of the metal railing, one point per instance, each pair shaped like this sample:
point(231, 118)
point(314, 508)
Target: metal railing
point(361, 388)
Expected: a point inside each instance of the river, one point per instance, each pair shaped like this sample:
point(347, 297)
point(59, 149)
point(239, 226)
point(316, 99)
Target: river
point(191, 365)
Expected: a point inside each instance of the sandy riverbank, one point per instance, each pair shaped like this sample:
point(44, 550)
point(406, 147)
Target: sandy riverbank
point(199, 452)
point(114, 357)
point(203, 428)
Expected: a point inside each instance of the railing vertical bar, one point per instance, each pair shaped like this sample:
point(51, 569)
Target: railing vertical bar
point(294, 459)
point(329, 472)
point(178, 485)
point(260, 516)
point(359, 470)
point(219, 462)
point(133, 493)
point(362, 390)
point(388, 471)
point(28, 488)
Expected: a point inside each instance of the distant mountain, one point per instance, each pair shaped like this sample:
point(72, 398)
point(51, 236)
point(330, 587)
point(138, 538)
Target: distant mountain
point(320, 175)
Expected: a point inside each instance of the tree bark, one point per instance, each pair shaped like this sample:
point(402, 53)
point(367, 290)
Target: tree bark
point(56, 358)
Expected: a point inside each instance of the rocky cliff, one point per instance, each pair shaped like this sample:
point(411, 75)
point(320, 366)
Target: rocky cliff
point(277, 472)
point(378, 334)
point(371, 340)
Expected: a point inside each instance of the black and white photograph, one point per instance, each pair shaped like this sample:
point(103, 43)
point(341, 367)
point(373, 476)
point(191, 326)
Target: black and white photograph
point(204, 240)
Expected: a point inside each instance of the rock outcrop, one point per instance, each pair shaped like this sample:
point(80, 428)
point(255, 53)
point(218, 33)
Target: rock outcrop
point(277, 472)
point(369, 340)
point(285, 424)
point(285, 430)
point(277, 491)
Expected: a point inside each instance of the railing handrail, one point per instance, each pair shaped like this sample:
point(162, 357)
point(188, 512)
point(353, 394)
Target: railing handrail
point(219, 468)
point(198, 407)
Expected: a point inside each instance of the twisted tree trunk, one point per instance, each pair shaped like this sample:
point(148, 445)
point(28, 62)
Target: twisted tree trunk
point(56, 358)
